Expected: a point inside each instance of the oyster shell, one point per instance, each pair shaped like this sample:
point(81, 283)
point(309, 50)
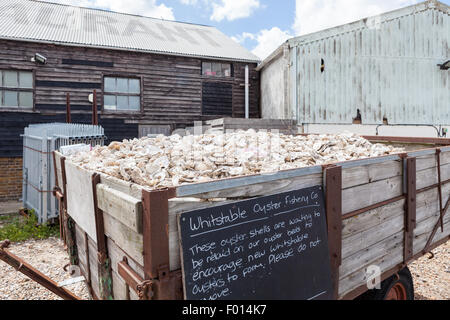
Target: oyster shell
point(170, 161)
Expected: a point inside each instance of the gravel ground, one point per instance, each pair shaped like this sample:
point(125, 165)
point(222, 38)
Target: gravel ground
point(431, 277)
point(49, 257)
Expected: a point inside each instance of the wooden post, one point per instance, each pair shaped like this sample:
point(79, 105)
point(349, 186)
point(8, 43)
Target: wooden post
point(333, 204)
point(410, 209)
point(68, 115)
point(104, 263)
point(156, 246)
point(94, 109)
point(68, 223)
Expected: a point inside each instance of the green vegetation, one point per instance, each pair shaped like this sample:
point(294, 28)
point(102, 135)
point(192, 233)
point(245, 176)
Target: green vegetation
point(18, 228)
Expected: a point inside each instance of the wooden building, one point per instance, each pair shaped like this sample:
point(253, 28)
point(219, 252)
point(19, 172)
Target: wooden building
point(150, 75)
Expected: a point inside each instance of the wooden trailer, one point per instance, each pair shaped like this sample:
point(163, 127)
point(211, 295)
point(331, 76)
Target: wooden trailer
point(385, 211)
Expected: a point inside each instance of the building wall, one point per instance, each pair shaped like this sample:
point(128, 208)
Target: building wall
point(387, 70)
point(275, 88)
point(385, 67)
point(171, 95)
point(171, 89)
point(10, 179)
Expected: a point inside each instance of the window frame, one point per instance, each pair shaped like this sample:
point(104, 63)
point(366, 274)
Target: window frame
point(231, 77)
point(32, 90)
point(107, 93)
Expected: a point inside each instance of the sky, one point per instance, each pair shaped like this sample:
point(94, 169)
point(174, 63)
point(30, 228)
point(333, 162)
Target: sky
point(259, 25)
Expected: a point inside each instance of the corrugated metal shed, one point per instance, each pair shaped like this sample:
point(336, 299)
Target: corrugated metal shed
point(61, 24)
point(384, 66)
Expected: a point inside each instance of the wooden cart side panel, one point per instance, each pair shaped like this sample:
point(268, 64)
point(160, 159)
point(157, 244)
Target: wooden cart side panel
point(384, 186)
point(121, 206)
point(392, 256)
point(376, 237)
point(130, 189)
point(423, 232)
point(58, 168)
point(363, 241)
point(366, 195)
point(93, 262)
point(429, 161)
point(362, 232)
point(362, 175)
point(80, 201)
point(370, 219)
point(125, 238)
point(429, 177)
point(265, 188)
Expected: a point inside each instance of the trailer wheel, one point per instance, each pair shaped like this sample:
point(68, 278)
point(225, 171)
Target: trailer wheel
point(398, 287)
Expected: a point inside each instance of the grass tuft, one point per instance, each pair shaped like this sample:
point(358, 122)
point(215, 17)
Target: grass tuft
point(18, 228)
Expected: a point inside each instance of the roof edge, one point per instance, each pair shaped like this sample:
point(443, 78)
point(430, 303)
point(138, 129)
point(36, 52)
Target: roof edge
point(429, 4)
point(389, 15)
point(167, 53)
point(274, 55)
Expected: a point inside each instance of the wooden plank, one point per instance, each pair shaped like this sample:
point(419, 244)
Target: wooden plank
point(129, 241)
point(368, 194)
point(130, 189)
point(58, 168)
point(121, 206)
point(424, 229)
point(393, 256)
point(367, 238)
point(428, 177)
point(93, 264)
point(80, 201)
point(265, 188)
point(372, 218)
point(360, 175)
point(429, 161)
point(116, 255)
point(370, 253)
point(120, 288)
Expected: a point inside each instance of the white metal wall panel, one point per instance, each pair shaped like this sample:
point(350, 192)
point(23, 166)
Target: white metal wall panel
point(387, 70)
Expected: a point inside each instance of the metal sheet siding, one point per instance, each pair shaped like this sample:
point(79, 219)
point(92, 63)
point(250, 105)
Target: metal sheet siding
point(54, 23)
point(386, 68)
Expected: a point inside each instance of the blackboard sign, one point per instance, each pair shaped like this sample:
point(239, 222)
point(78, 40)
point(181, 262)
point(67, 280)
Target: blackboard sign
point(268, 248)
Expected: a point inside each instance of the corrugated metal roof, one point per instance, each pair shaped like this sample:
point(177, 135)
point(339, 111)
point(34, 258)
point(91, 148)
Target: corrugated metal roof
point(67, 25)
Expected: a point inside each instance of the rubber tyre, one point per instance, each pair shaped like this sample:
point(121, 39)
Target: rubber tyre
point(401, 286)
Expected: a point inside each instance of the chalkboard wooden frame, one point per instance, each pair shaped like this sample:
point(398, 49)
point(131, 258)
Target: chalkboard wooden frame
point(224, 265)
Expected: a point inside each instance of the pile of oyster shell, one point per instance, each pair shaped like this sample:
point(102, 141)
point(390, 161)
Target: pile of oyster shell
point(167, 161)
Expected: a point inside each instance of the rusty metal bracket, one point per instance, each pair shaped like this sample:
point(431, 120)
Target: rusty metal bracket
point(34, 274)
point(333, 204)
point(426, 249)
point(104, 263)
point(443, 210)
point(438, 160)
point(410, 208)
point(156, 245)
point(143, 288)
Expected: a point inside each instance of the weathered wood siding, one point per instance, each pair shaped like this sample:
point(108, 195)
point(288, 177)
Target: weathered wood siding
point(171, 89)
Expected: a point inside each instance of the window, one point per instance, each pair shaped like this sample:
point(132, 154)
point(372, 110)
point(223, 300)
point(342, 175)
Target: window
point(122, 94)
point(16, 89)
point(215, 69)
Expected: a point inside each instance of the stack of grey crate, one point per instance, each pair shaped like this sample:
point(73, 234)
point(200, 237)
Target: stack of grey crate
point(39, 142)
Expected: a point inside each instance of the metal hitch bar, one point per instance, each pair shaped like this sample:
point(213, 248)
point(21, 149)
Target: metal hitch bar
point(34, 274)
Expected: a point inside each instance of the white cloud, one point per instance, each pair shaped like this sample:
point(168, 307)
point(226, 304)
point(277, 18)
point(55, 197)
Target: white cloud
point(189, 2)
point(315, 15)
point(149, 8)
point(244, 36)
point(267, 40)
point(233, 9)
